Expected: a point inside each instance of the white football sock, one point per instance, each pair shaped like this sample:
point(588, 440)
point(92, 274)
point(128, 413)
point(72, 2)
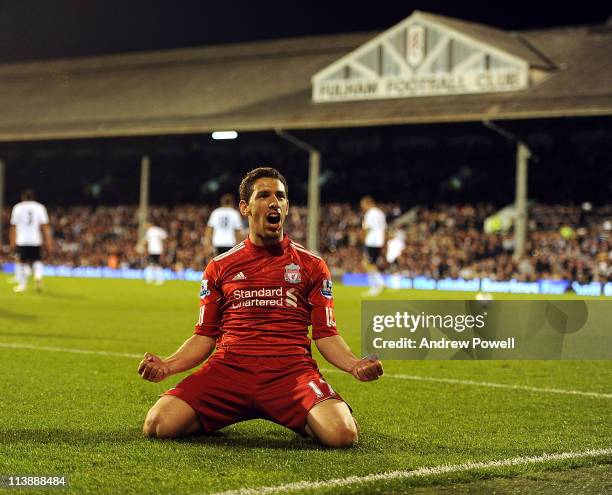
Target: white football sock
point(20, 275)
point(148, 274)
point(38, 271)
point(376, 280)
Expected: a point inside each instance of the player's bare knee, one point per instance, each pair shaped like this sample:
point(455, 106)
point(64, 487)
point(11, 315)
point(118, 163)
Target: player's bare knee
point(347, 436)
point(149, 428)
point(156, 425)
point(341, 437)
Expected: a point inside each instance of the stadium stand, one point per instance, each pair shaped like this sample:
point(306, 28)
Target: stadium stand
point(566, 242)
point(435, 150)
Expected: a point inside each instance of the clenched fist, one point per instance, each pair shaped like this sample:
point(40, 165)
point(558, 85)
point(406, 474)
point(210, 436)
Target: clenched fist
point(153, 368)
point(367, 369)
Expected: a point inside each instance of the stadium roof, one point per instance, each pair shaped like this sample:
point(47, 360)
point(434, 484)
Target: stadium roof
point(267, 85)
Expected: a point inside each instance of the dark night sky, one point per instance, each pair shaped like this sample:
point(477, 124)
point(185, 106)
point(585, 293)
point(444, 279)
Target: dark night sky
point(39, 29)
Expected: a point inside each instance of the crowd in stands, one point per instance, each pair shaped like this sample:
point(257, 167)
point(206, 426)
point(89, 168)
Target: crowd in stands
point(564, 242)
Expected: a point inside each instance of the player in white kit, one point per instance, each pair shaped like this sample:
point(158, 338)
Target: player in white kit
point(154, 238)
point(29, 228)
point(374, 230)
point(222, 226)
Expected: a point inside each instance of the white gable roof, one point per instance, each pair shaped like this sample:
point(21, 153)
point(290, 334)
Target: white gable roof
point(420, 56)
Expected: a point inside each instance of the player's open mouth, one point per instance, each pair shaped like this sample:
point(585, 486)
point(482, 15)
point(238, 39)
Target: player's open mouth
point(273, 218)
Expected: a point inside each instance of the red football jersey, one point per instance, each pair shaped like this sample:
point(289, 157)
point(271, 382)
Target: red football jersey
point(260, 300)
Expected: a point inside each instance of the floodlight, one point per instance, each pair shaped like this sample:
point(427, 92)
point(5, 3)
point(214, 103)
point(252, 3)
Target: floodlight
point(224, 135)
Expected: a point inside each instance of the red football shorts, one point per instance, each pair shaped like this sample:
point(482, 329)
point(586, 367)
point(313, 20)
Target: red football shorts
point(230, 388)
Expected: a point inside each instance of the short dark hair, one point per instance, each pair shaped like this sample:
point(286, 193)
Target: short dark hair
point(246, 185)
point(227, 200)
point(27, 195)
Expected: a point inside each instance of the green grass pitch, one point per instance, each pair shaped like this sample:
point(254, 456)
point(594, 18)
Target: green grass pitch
point(80, 414)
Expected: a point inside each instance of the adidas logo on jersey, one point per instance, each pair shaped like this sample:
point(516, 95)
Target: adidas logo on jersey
point(239, 276)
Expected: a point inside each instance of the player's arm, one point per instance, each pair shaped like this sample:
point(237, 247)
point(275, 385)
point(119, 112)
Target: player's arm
point(13, 229)
point(325, 334)
point(336, 351)
point(12, 237)
point(48, 238)
point(211, 224)
point(208, 233)
point(365, 228)
point(200, 345)
point(362, 234)
point(192, 353)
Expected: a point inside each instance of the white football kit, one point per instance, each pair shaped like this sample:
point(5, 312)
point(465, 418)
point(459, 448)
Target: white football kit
point(28, 217)
point(225, 222)
point(155, 237)
point(375, 223)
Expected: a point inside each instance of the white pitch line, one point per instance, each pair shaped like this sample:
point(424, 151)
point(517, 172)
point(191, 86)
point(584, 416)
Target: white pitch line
point(327, 370)
point(68, 349)
point(416, 473)
point(454, 381)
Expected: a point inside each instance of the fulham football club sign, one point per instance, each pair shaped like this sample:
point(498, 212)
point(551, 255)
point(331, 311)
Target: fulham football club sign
point(420, 57)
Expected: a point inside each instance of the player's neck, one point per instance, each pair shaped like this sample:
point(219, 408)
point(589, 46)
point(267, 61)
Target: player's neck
point(257, 240)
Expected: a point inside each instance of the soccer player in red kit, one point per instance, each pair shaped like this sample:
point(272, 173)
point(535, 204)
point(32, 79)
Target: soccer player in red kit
point(257, 301)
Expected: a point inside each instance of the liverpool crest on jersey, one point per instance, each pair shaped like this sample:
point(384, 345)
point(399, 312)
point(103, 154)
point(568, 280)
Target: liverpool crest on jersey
point(292, 274)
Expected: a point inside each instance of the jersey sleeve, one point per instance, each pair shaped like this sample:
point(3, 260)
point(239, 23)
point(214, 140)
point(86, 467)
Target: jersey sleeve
point(14, 216)
point(212, 220)
point(322, 303)
point(44, 216)
point(210, 304)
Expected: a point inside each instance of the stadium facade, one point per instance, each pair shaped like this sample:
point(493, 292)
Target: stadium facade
point(502, 75)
